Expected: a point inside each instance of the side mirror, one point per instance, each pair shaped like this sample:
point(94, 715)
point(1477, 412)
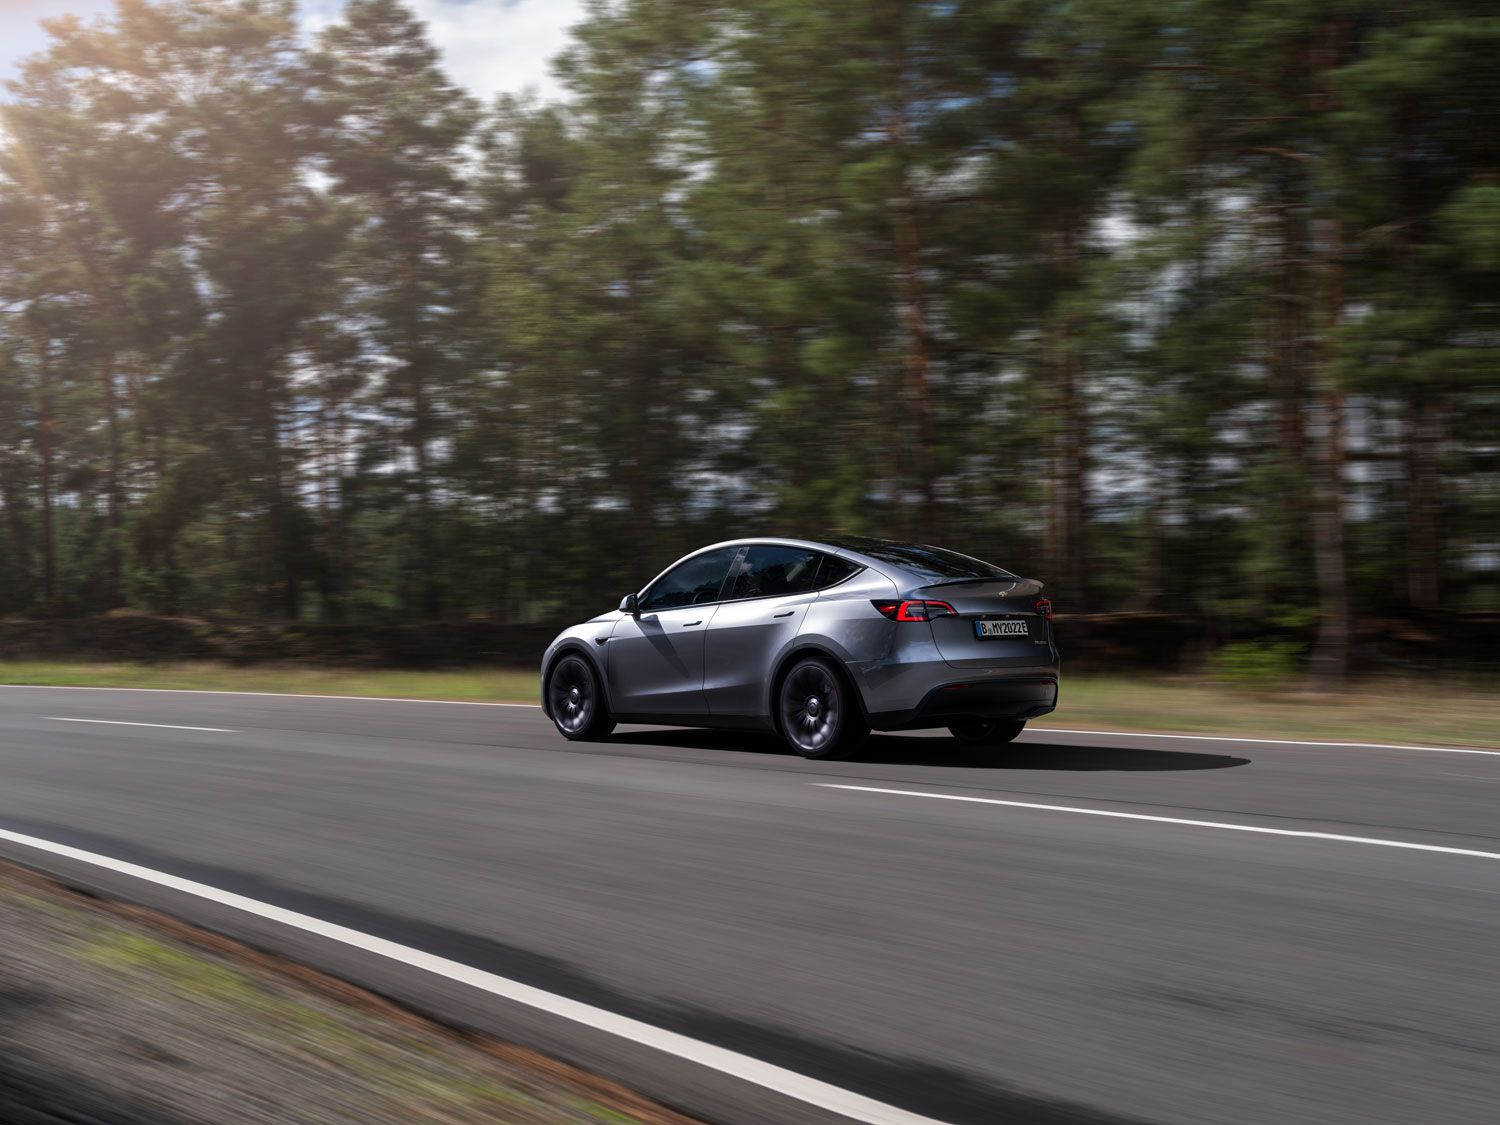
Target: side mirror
point(628, 605)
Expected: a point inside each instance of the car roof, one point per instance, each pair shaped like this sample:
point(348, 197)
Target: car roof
point(834, 543)
point(849, 546)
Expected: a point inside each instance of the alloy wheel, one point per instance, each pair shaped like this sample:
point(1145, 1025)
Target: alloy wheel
point(572, 694)
point(812, 709)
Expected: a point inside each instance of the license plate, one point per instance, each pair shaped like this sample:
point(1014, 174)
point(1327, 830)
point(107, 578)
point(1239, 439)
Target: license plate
point(1010, 627)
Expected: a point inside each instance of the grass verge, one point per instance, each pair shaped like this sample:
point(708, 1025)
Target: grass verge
point(1421, 711)
point(1435, 713)
point(485, 685)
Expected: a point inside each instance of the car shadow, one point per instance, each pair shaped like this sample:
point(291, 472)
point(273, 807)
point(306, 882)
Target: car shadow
point(940, 750)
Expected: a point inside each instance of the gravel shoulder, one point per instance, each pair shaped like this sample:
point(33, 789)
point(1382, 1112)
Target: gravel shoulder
point(110, 1013)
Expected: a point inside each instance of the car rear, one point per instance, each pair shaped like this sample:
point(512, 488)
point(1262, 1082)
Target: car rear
point(1003, 623)
point(983, 635)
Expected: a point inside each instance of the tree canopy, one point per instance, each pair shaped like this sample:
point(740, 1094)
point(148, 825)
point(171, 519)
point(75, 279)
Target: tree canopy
point(1180, 304)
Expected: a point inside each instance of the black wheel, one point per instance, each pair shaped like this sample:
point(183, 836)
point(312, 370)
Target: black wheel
point(987, 732)
point(819, 716)
point(576, 701)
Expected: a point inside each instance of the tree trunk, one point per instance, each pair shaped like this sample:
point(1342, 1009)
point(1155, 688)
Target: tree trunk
point(915, 355)
point(1286, 358)
point(427, 554)
point(278, 567)
point(1149, 585)
point(1423, 520)
point(1330, 658)
point(17, 572)
point(46, 448)
point(113, 485)
point(1069, 546)
point(1423, 422)
point(914, 305)
point(913, 300)
point(343, 556)
point(431, 593)
point(108, 309)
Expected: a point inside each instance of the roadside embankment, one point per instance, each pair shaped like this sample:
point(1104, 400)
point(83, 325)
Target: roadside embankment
point(110, 1013)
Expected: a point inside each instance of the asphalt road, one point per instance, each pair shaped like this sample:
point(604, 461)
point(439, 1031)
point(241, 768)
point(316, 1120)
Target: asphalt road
point(967, 960)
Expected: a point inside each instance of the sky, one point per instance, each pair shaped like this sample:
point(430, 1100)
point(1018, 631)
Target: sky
point(489, 46)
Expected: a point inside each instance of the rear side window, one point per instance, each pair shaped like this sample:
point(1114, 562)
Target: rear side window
point(691, 583)
point(834, 570)
point(768, 572)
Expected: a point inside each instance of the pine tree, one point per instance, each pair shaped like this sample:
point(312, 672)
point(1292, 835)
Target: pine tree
point(396, 151)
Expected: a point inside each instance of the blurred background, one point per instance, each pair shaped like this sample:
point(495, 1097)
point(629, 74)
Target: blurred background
point(1190, 308)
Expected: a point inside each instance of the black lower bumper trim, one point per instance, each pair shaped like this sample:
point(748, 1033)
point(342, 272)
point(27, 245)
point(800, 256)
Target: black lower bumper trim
point(984, 699)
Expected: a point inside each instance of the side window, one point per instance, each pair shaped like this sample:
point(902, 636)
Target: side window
point(692, 583)
point(771, 571)
point(833, 570)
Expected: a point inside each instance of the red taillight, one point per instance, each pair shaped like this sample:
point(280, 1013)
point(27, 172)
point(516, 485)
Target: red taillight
point(915, 610)
point(1044, 607)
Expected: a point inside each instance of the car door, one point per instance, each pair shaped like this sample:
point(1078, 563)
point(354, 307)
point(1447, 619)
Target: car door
point(763, 608)
point(654, 659)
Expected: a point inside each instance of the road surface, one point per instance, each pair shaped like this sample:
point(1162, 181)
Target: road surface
point(1104, 929)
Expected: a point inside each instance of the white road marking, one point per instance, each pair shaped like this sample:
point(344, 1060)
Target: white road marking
point(1374, 841)
point(123, 723)
point(1267, 741)
point(272, 695)
point(789, 1083)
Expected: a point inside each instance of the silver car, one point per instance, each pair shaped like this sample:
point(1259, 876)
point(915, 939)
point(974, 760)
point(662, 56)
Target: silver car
point(820, 640)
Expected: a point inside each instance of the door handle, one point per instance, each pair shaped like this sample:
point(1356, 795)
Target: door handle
point(690, 624)
point(788, 613)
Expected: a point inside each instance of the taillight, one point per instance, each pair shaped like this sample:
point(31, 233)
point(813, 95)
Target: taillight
point(915, 611)
point(1044, 607)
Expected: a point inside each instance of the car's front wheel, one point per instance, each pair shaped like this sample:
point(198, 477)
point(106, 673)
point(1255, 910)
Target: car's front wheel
point(987, 732)
point(820, 718)
point(576, 700)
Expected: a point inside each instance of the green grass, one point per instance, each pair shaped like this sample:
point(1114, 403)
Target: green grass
point(485, 685)
point(1435, 712)
point(1426, 711)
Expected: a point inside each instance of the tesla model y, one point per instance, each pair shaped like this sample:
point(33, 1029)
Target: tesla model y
point(820, 640)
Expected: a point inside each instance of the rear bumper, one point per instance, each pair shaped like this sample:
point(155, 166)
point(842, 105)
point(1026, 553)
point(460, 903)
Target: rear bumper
point(1010, 698)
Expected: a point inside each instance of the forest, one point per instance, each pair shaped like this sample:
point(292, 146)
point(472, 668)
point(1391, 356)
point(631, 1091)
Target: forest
point(1179, 305)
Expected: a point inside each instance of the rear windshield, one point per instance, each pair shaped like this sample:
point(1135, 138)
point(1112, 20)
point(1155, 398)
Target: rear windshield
point(927, 562)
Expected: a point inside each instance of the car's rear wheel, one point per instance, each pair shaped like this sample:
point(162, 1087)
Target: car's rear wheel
point(987, 732)
point(576, 701)
point(820, 718)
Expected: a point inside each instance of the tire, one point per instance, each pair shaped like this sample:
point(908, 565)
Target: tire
point(576, 700)
point(987, 732)
point(817, 712)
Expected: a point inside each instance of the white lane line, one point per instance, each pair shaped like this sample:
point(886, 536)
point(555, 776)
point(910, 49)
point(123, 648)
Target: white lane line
point(272, 695)
point(1374, 841)
point(123, 723)
point(743, 1067)
point(1266, 741)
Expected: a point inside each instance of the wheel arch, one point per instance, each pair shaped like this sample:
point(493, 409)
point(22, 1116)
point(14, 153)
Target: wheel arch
point(799, 651)
point(574, 648)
